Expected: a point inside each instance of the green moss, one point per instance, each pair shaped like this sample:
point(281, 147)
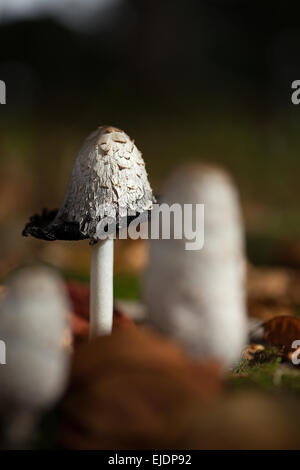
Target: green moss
point(76, 276)
point(258, 371)
point(261, 375)
point(126, 287)
point(291, 380)
point(268, 371)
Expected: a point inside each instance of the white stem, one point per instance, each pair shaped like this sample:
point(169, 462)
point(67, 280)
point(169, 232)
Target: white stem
point(101, 288)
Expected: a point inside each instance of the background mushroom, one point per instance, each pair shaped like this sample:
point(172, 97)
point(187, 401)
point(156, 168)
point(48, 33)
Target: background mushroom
point(107, 190)
point(198, 297)
point(33, 325)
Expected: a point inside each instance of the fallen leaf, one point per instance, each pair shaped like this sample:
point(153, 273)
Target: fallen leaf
point(127, 391)
point(282, 331)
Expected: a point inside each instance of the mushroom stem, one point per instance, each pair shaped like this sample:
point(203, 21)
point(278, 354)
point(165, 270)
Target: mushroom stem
point(101, 286)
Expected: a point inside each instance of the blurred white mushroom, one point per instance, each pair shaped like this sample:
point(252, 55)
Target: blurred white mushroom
point(198, 297)
point(33, 324)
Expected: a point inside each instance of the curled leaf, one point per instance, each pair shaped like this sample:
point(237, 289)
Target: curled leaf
point(282, 332)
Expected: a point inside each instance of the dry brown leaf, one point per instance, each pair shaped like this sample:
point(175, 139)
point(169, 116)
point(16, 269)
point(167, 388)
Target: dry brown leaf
point(282, 331)
point(127, 390)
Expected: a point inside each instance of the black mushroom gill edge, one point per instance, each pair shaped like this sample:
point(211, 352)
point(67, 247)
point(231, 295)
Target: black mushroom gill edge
point(41, 226)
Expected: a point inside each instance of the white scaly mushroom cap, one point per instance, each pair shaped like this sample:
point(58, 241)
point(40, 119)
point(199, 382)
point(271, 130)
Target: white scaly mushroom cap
point(33, 325)
point(108, 179)
point(198, 297)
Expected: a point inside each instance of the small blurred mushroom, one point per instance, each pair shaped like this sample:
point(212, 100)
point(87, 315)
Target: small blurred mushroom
point(33, 325)
point(107, 190)
point(198, 297)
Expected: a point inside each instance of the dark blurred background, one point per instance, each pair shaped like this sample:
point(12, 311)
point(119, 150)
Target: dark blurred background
point(197, 79)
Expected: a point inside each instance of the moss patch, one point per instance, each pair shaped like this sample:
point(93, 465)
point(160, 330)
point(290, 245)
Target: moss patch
point(258, 371)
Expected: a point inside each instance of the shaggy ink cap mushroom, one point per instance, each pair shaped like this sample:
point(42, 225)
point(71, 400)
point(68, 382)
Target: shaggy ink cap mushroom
point(108, 183)
point(108, 190)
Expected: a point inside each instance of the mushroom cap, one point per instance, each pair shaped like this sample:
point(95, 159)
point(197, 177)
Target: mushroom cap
point(108, 181)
